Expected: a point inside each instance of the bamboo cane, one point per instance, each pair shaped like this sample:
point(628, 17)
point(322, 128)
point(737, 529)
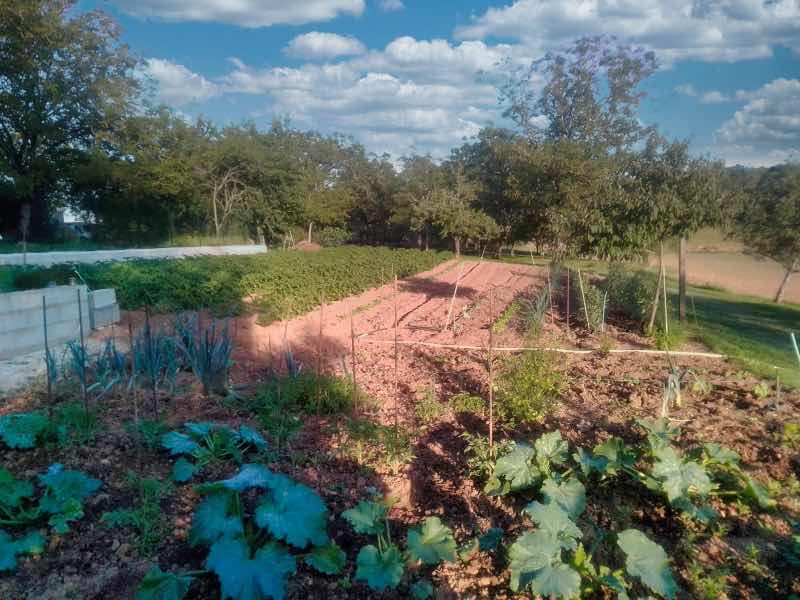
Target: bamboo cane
point(491, 370)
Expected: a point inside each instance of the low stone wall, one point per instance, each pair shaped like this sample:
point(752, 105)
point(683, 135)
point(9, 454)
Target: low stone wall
point(46, 259)
point(22, 317)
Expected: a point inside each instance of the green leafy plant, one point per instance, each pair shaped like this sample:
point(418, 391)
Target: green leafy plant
point(382, 565)
point(381, 447)
point(528, 387)
point(761, 390)
point(23, 430)
point(147, 518)
point(631, 292)
point(467, 403)
point(251, 551)
point(59, 502)
point(429, 409)
point(73, 424)
point(158, 585)
point(209, 442)
point(481, 457)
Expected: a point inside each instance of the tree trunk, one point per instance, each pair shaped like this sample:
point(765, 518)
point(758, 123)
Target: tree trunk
point(652, 322)
point(427, 238)
point(457, 245)
point(419, 239)
point(784, 284)
point(682, 280)
point(310, 227)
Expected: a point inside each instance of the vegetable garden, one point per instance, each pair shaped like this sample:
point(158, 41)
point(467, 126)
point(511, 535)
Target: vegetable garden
point(424, 460)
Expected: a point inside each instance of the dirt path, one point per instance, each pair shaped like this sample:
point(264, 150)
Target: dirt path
point(422, 303)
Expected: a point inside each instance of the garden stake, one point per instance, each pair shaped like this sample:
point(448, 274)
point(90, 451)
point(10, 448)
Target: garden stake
point(583, 299)
point(568, 300)
point(491, 371)
point(353, 355)
point(83, 354)
point(47, 360)
point(396, 358)
point(603, 321)
point(550, 293)
point(796, 349)
point(664, 287)
point(149, 340)
point(453, 299)
point(319, 353)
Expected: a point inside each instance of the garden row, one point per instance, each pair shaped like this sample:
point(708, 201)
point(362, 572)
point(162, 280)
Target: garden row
point(277, 284)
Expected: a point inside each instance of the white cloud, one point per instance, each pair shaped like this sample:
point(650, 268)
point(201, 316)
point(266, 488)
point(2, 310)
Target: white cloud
point(319, 45)
point(766, 129)
point(687, 89)
point(709, 30)
point(391, 5)
point(176, 85)
point(714, 97)
point(415, 95)
point(245, 13)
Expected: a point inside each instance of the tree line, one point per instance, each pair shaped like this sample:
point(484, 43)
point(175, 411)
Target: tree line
point(576, 173)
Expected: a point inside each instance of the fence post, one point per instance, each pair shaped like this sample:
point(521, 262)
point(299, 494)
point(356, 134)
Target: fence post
point(491, 369)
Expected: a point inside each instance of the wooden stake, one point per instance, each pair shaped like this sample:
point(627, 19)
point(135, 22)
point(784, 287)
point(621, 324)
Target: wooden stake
point(453, 299)
point(148, 333)
point(396, 360)
point(664, 287)
point(568, 306)
point(550, 294)
point(319, 354)
point(491, 369)
point(583, 299)
point(353, 355)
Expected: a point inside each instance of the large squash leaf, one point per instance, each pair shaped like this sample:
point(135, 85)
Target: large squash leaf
point(380, 570)
point(243, 578)
point(13, 491)
point(33, 543)
point(64, 494)
point(367, 517)
point(183, 470)
point(555, 521)
point(329, 559)
point(158, 585)
point(680, 477)
point(551, 449)
point(249, 476)
point(293, 512)
point(179, 443)
point(514, 471)
point(22, 430)
point(647, 560)
point(432, 543)
point(535, 563)
point(213, 520)
point(569, 495)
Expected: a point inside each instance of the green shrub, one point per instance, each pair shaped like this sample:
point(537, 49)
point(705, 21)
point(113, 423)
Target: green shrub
point(333, 236)
point(147, 518)
point(527, 388)
point(669, 341)
point(467, 403)
point(631, 292)
point(480, 457)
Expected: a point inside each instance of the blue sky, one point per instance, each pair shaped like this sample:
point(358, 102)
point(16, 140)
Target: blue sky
point(420, 75)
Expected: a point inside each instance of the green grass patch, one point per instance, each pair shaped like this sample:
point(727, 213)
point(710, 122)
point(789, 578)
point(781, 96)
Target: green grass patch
point(277, 284)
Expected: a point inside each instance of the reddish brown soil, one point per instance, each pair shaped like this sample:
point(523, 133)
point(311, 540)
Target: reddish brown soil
point(603, 396)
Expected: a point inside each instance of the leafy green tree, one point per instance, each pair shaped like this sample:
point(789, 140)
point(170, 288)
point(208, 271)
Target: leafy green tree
point(65, 78)
point(769, 222)
point(590, 94)
point(421, 179)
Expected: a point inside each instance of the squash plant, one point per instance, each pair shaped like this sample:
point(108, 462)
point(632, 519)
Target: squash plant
point(254, 548)
point(59, 502)
point(204, 443)
point(382, 565)
point(551, 560)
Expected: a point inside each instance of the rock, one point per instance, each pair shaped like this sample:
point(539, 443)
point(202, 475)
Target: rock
point(123, 550)
point(99, 499)
point(115, 545)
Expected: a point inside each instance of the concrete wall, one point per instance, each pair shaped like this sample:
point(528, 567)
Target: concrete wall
point(46, 259)
point(22, 323)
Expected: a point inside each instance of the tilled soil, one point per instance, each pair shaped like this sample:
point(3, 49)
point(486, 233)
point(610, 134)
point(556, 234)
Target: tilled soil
point(604, 394)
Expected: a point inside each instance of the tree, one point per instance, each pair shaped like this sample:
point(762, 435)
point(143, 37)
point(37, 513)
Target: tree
point(769, 224)
point(63, 82)
point(415, 209)
point(590, 94)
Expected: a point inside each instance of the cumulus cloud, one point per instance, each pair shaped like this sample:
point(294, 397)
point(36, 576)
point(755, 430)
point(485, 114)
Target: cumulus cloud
point(714, 97)
point(414, 95)
point(687, 89)
point(391, 5)
point(319, 45)
point(766, 129)
point(709, 30)
point(176, 85)
point(245, 13)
